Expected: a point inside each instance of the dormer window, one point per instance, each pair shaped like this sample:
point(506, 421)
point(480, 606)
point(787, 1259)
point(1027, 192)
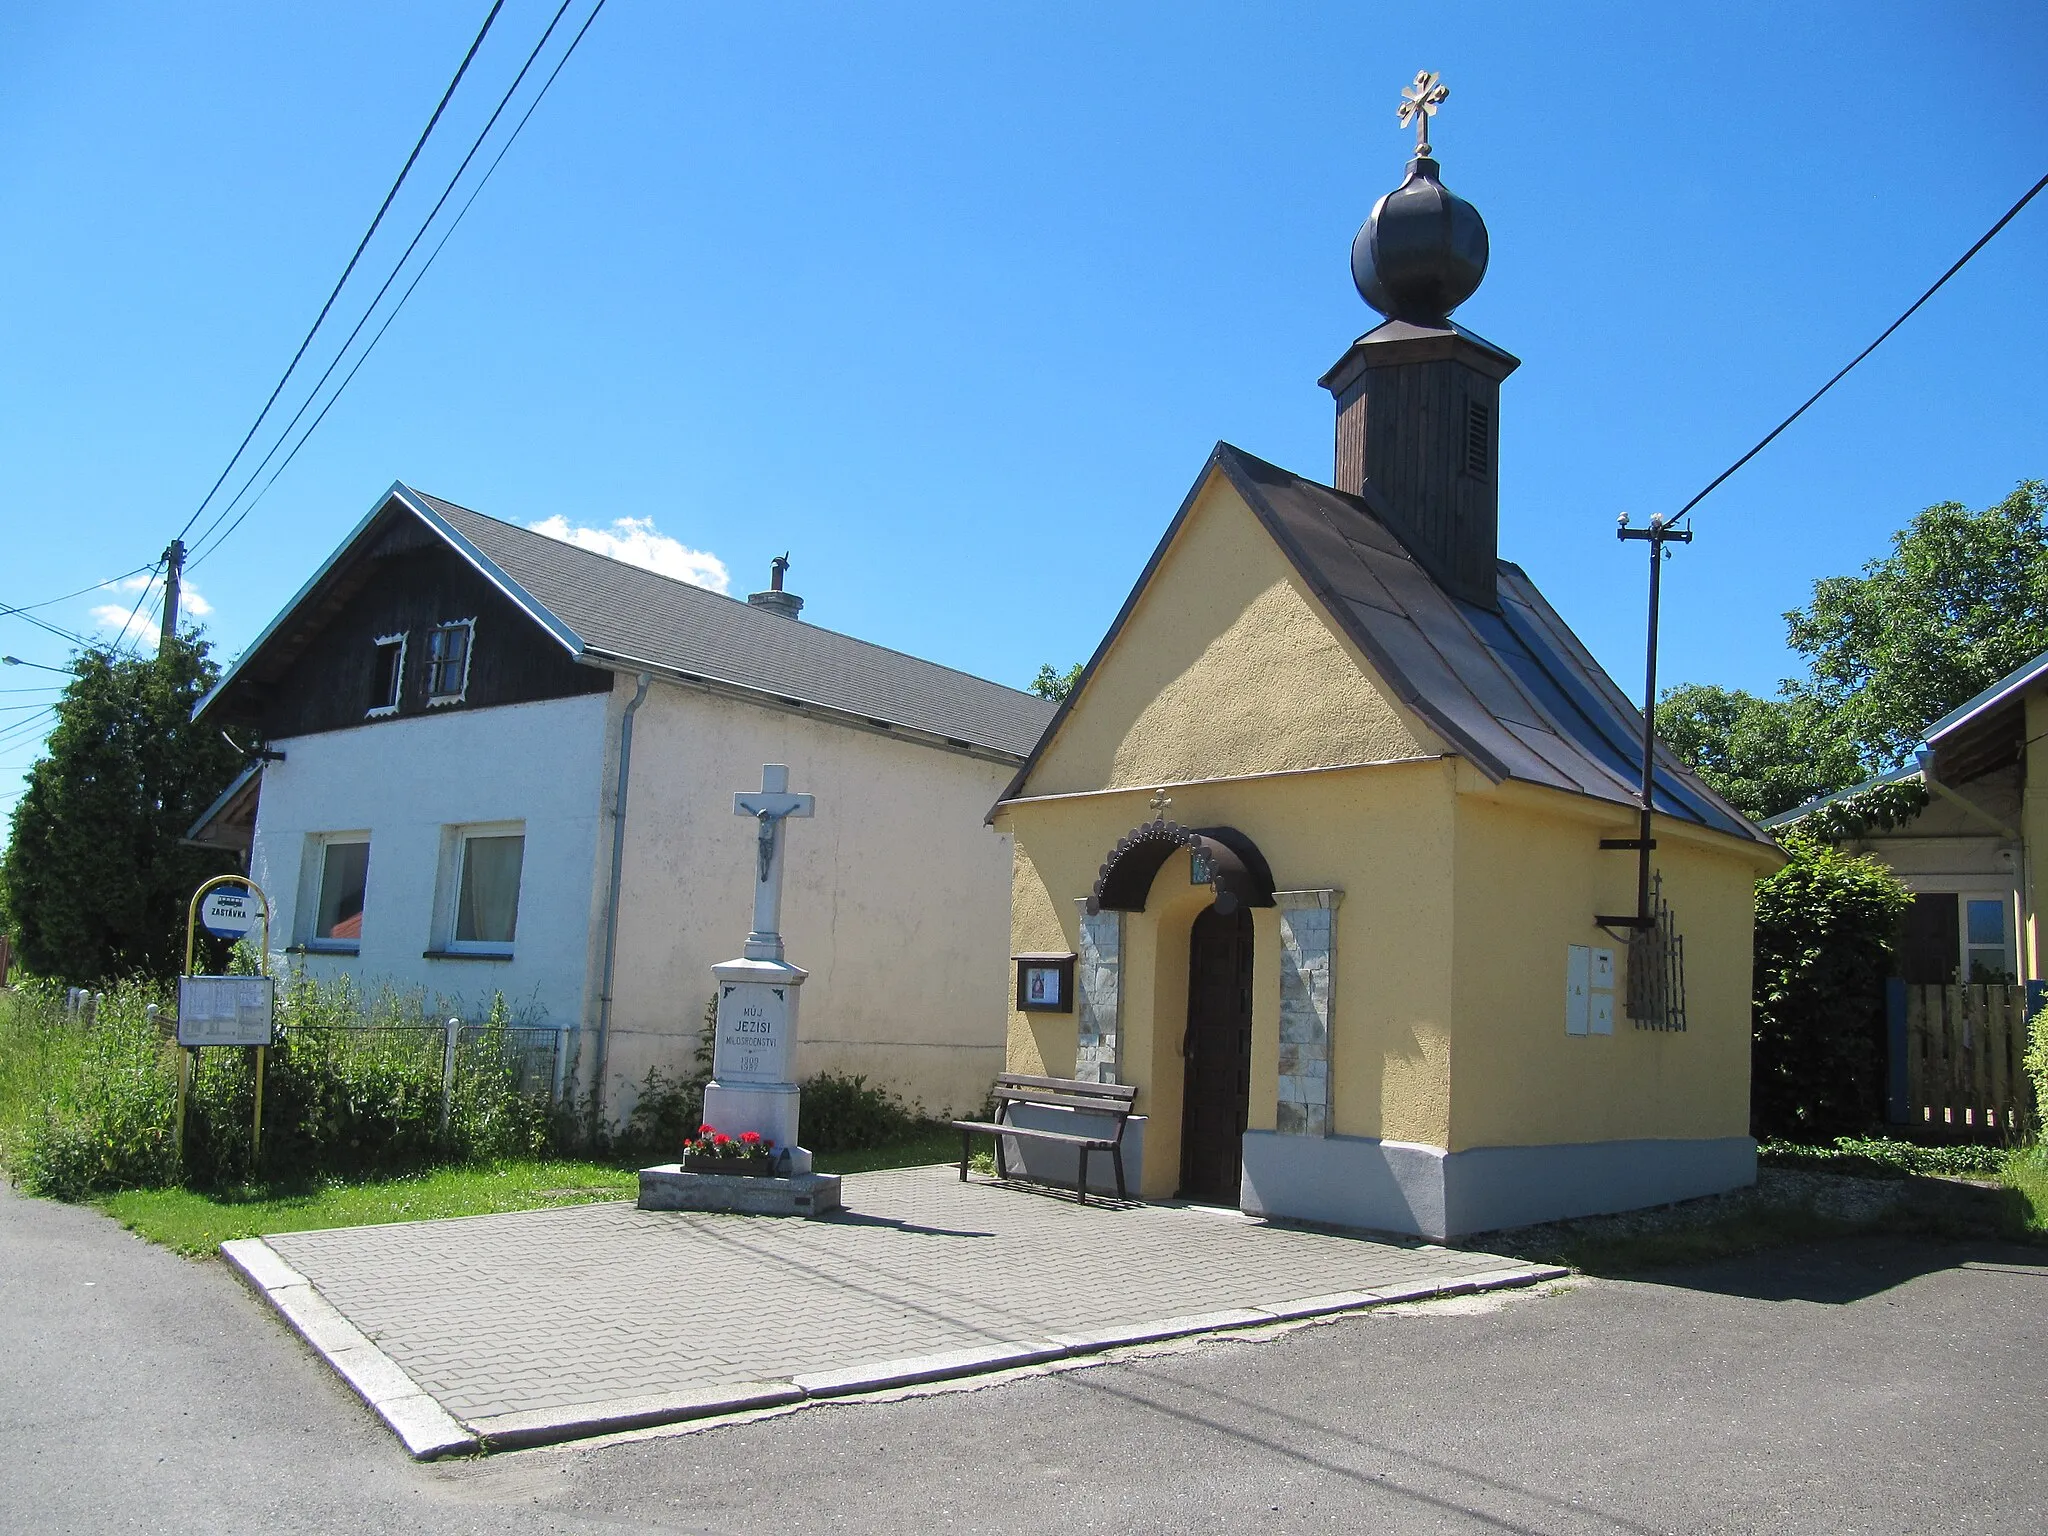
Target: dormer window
point(448, 648)
point(387, 675)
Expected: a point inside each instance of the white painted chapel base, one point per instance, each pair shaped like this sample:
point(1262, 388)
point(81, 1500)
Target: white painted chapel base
point(666, 1187)
point(1050, 1163)
point(1398, 1186)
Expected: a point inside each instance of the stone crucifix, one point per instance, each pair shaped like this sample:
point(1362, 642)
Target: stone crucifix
point(772, 806)
point(1419, 103)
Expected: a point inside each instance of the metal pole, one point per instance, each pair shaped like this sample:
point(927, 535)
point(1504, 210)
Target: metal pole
point(184, 1083)
point(1649, 722)
point(448, 1048)
point(256, 1124)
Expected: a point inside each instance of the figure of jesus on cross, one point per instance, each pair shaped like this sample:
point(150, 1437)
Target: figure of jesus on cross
point(773, 805)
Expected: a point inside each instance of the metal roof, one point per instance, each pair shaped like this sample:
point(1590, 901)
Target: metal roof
point(1515, 691)
point(608, 613)
point(2014, 682)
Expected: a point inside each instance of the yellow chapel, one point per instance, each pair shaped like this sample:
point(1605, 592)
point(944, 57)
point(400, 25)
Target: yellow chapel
point(1320, 830)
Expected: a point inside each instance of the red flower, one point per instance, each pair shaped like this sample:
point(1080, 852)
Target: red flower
point(721, 1140)
point(705, 1130)
point(750, 1138)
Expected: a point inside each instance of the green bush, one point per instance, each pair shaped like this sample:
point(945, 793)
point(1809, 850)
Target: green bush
point(844, 1114)
point(90, 1106)
point(352, 1088)
point(2037, 1065)
point(1824, 926)
point(1880, 1157)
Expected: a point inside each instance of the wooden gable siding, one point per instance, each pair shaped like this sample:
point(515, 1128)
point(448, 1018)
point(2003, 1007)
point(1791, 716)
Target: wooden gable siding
point(409, 582)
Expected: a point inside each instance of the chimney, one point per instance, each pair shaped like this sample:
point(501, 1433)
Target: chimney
point(775, 600)
point(1418, 398)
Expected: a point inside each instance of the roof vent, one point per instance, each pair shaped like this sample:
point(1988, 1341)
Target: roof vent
point(775, 600)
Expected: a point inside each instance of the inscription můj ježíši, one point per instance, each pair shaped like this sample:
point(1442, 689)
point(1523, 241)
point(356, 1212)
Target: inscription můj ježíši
point(753, 1033)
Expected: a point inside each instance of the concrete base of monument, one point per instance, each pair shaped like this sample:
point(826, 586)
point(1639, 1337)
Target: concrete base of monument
point(667, 1187)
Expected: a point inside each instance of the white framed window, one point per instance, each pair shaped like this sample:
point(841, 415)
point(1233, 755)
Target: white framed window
point(480, 907)
point(1960, 930)
point(1987, 940)
point(336, 889)
point(387, 676)
point(449, 647)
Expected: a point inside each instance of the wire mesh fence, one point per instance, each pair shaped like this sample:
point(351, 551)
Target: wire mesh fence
point(451, 1057)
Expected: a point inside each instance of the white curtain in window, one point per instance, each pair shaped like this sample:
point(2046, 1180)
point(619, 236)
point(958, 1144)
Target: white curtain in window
point(487, 907)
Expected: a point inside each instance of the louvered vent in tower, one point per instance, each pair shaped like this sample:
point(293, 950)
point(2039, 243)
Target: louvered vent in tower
point(1478, 438)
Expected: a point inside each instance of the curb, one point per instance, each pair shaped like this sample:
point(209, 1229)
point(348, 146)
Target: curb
point(423, 1425)
point(428, 1430)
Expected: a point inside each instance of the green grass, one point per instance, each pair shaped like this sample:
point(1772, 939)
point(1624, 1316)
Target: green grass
point(196, 1224)
point(2026, 1173)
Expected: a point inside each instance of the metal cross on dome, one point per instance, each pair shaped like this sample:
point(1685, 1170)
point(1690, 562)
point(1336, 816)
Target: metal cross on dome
point(1419, 102)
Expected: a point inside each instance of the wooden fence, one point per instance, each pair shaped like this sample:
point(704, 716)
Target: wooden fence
point(1956, 1060)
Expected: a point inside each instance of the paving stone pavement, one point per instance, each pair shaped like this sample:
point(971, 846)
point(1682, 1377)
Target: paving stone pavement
point(545, 1310)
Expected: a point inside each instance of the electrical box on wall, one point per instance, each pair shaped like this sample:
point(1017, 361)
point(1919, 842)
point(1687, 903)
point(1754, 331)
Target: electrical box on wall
point(1588, 990)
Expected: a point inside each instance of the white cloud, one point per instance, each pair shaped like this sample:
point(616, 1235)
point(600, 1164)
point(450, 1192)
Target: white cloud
point(113, 618)
point(636, 541)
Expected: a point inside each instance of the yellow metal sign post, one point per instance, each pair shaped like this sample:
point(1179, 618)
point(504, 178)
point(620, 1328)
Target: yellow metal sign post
point(187, 1055)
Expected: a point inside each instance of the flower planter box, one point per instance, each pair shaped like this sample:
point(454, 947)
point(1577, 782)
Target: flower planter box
point(748, 1167)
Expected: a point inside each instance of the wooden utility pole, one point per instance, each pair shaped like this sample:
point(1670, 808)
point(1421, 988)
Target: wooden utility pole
point(174, 570)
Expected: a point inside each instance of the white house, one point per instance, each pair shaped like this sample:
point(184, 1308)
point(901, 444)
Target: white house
point(493, 762)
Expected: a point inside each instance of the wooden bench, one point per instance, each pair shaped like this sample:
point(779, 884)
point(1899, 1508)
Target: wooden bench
point(1112, 1100)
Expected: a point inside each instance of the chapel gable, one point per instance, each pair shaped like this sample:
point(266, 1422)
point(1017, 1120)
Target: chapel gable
point(1223, 664)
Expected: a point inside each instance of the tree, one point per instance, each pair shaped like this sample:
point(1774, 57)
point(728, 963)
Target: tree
point(1054, 684)
point(1960, 601)
point(1764, 755)
point(94, 881)
point(1824, 927)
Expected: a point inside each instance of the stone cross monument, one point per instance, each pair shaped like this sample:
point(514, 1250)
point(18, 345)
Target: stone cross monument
point(753, 1062)
point(753, 1057)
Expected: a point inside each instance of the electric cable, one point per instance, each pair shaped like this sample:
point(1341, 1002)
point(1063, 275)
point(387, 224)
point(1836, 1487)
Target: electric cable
point(51, 602)
point(383, 208)
point(399, 266)
point(425, 267)
point(2010, 214)
point(45, 625)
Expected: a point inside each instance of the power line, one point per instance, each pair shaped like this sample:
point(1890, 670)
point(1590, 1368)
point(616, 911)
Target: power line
point(382, 209)
point(51, 602)
point(397, 268)
point(2010, 214)
point(45, 625)
point(425, 267)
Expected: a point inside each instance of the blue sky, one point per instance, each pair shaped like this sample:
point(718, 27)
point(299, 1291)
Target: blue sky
point(951, 301)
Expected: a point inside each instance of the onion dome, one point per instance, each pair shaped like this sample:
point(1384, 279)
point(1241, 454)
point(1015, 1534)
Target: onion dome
point(1422, 251)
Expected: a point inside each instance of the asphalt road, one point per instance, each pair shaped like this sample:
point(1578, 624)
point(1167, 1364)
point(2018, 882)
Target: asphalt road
point(1870, 1385)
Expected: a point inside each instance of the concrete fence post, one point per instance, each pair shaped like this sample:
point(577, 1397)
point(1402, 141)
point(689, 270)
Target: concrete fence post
point(561, 1063)
point(450, 1039)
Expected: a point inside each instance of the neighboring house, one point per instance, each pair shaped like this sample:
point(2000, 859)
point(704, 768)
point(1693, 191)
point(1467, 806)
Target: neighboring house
point(442, 709)
point(1971, 855)
point(1319, 833)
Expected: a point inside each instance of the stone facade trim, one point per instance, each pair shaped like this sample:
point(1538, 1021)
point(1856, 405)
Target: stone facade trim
point(1308, 958)
point(1098, 996)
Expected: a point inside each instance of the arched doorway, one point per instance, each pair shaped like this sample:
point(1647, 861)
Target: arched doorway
point(1217, 1050)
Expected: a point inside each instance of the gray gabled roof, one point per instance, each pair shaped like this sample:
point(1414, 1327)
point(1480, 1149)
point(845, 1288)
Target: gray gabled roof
point(1514, 691)
point(608, 613)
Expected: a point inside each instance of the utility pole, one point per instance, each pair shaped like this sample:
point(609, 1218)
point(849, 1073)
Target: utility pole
point(1657, 535)
point(174, 569)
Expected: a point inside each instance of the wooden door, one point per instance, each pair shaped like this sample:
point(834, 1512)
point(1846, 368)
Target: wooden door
point(1218, 1048)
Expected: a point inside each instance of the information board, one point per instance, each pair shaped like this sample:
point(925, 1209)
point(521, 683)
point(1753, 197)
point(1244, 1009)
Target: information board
point(226, 1010)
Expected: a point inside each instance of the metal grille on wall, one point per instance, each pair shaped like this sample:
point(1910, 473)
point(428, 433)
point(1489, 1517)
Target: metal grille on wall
point(1656, 968)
